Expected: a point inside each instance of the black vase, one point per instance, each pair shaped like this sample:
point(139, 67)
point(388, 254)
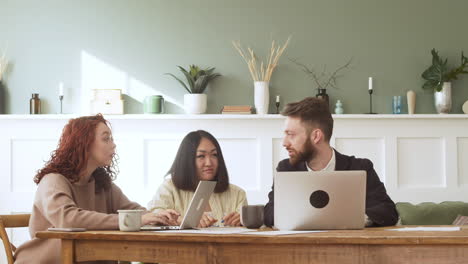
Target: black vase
point(322, 94)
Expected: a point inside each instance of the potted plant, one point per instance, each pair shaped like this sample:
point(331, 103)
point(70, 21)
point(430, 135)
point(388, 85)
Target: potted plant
point(323, 80)
point(438, 79)
point(197, 81)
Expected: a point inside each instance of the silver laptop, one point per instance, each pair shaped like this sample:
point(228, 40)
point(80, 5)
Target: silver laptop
point(197, 206)
point(308, 200)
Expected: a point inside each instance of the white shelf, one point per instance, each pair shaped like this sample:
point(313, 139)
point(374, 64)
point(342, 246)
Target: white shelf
point(219, 116)
point(402, 116)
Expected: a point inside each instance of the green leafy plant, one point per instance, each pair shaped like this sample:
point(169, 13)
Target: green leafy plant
point(197, 79)
point(438, 72)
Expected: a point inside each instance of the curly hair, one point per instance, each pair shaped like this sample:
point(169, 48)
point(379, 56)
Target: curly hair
point(72, 154)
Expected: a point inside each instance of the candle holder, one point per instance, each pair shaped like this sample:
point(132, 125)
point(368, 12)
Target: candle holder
point(277, 107)
point(61, 100)
point(370, 102)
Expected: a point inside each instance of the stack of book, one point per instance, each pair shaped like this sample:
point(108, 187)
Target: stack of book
point(237, 109)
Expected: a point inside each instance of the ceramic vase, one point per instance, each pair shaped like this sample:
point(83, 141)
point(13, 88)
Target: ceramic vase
point(262, 97)
point(411, 99)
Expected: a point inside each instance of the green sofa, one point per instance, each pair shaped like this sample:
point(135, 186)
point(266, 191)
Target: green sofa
point(430, 213)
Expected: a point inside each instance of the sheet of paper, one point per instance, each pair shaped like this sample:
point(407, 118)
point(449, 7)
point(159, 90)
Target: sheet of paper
point(427, 228)
point(279, 233)
point(212, 230)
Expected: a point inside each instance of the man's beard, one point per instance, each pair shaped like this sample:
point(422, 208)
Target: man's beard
point(307, 154)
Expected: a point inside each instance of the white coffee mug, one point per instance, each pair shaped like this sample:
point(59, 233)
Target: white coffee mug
point(130, 220)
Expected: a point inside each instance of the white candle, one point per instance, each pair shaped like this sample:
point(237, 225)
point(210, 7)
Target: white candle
point(61, 89)
point(370, 83)
point(277, 98)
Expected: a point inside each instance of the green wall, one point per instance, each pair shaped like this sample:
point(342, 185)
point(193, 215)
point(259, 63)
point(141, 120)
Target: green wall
point(388, 40)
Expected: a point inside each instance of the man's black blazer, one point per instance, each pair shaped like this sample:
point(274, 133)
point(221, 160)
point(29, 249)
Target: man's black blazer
point(379, 207)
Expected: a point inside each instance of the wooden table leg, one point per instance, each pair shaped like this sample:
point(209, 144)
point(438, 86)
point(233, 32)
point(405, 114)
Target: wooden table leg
point(68, 252)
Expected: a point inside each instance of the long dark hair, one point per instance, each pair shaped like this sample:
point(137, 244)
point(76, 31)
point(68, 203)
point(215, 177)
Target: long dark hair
point(72, 153)
point(184, 171)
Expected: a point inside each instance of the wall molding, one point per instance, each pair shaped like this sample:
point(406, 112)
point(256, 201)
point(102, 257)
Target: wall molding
point(258, 138)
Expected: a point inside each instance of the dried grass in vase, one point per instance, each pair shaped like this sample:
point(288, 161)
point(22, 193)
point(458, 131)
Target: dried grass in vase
point(266, 70)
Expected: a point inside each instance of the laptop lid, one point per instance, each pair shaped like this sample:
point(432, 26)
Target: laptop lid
point(307, 200)
point(195, 210)
point(197, 205)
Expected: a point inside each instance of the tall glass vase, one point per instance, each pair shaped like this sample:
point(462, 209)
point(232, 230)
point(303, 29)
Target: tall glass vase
point(443, 99)
point(262, 97)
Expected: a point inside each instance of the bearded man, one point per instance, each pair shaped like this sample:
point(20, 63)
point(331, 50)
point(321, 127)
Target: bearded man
point(308, 129)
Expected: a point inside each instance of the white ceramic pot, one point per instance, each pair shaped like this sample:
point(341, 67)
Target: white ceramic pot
point(262, 97)
point(195, 103)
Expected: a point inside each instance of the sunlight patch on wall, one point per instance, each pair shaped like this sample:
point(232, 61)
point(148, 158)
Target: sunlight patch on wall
point(98, 74)
point(139, 90)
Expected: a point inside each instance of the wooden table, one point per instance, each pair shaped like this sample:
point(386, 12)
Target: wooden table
point(371, 245)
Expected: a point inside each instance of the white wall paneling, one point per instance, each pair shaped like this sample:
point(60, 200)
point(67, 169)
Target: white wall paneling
point(412, 154)
point(462, 144)
point(371, 148)
point(413, 175)
point(419, 157)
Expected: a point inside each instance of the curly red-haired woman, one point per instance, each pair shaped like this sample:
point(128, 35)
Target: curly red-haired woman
point(75, 189)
